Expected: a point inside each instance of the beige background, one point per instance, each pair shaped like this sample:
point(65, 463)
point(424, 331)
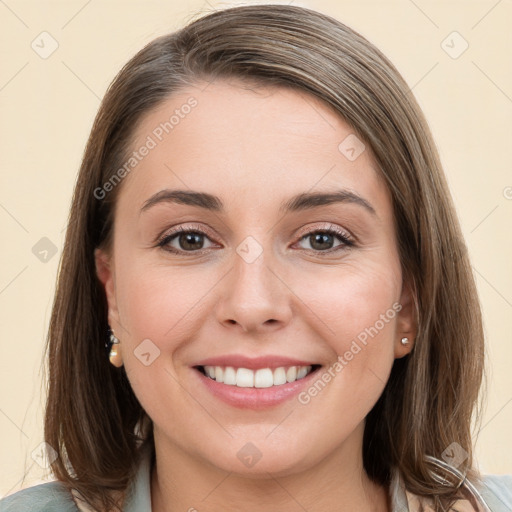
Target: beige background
point(47, 108)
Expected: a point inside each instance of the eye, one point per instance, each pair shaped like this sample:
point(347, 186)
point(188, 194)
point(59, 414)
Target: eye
point(191, 240)
point(187, 240)
point(321, 240)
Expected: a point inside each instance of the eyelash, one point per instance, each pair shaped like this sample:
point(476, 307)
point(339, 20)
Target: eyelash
point(179, 230)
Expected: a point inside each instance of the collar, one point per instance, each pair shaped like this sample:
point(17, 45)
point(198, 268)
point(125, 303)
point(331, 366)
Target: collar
point(138, 496)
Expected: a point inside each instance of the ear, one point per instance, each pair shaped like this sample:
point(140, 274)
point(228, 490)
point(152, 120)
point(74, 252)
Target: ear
point(407, 322)
point(106, 274)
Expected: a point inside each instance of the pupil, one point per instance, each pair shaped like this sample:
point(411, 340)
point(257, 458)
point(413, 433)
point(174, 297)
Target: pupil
point(321, 238)
point(190, 239)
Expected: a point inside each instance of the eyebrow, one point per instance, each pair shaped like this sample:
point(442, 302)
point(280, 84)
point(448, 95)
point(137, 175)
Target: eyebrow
point(299, 202)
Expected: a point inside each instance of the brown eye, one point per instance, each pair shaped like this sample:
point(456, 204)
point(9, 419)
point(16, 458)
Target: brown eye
point(190, 241)
point(181, 241)
point(323, 240)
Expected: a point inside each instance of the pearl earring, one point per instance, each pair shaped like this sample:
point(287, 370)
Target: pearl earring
point(115, 350)
point(405, 341)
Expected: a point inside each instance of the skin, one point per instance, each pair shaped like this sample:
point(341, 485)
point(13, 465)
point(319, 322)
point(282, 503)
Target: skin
point(255, 148)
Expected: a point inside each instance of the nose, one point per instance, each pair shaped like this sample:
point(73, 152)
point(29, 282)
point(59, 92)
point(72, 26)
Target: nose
point(254, 297)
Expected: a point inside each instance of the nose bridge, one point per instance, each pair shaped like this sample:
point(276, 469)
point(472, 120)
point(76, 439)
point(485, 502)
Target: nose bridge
point(254, 296)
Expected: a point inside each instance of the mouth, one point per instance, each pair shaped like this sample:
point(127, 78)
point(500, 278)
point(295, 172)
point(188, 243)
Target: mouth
point(256, 378)
point(254, 382)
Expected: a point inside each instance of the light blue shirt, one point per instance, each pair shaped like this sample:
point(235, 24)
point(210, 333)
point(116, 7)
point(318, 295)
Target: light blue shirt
point(54, 497)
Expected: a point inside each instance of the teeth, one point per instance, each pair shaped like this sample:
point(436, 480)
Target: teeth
point(229, 376)
point(302, 372)
point(279, 376)
point(262, 378)
point(244, 377)
point(291, 374)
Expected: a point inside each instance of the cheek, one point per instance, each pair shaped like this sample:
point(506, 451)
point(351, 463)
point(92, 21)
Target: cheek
point(162, 310)
point(355, 310)
point(359, 323)
point(158, 305)
point(155, 300)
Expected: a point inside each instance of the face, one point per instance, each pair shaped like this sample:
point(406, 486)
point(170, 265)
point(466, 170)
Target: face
point(252, 280)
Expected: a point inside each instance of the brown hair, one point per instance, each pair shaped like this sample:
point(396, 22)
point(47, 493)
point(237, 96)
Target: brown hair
point(428, 403)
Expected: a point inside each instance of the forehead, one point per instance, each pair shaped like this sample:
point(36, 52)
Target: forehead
point(248, 145)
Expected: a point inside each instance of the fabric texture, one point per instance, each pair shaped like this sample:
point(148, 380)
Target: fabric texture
point(54, 497)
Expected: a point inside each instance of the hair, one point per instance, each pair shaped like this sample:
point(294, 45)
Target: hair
point(93, 420)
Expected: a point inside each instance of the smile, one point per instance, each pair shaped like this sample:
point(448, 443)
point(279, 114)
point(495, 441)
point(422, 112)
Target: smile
point(259, 378)
point(258, 388)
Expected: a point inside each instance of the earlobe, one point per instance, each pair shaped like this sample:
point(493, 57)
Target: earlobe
point(105, 273)
point(407, 322)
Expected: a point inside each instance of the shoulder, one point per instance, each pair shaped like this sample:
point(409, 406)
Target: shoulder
point(47, 497)
point(497, 492)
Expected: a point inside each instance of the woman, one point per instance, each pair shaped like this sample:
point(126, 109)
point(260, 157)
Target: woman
point(265, 301)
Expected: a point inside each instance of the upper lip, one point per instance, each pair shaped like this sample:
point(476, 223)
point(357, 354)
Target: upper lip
point(240, 361)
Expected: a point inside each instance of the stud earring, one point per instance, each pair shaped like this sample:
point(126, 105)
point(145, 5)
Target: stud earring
point(404, 341)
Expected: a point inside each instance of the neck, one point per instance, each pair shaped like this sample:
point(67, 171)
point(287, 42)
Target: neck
point(338, 482)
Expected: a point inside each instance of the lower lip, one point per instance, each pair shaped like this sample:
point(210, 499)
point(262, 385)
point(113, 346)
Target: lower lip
point(255, 398)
